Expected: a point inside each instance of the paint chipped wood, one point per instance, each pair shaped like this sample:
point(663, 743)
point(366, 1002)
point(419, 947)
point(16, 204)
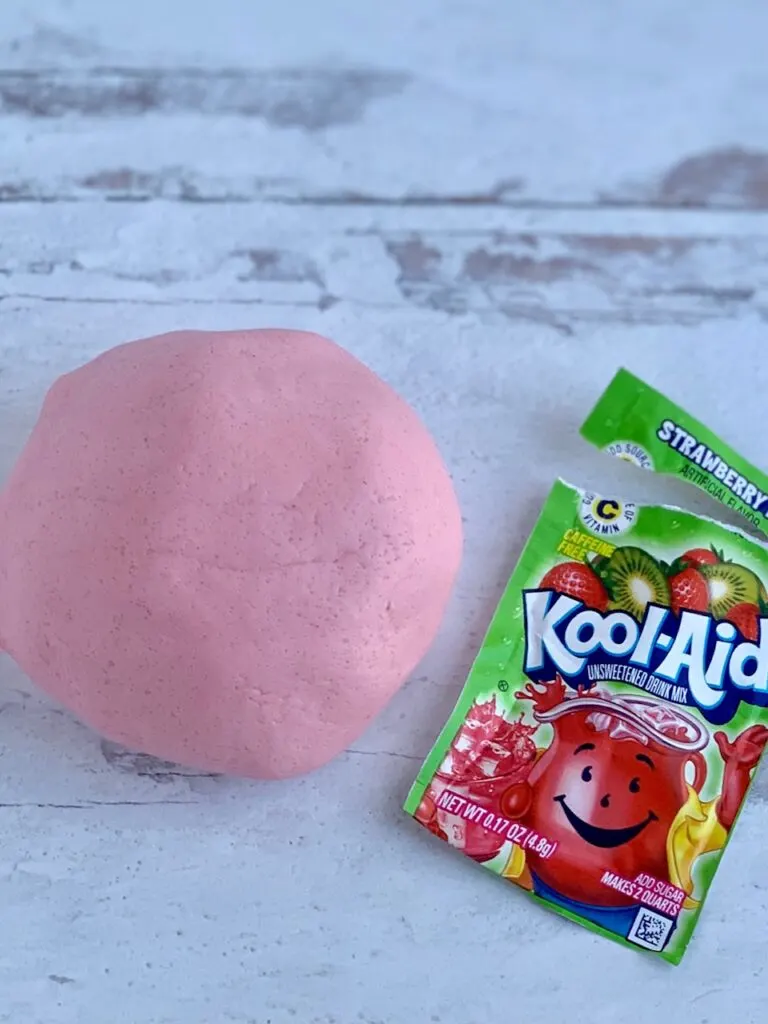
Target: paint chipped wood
point(553, 272)
point(492, 205)
point(469, 125)
point(305, 98)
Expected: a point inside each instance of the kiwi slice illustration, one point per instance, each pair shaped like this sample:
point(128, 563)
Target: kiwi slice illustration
point(729, 584)
point(636, 580)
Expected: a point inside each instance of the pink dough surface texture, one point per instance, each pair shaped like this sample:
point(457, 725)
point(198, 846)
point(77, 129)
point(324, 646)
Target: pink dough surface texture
point(226, 549)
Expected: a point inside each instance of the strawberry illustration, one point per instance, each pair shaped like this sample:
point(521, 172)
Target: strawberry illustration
point(689, 591)
point(745, 618)
point(702, 556)
point(577, 580)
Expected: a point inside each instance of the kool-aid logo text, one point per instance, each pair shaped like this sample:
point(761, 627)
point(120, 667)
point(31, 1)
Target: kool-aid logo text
point(687, 659)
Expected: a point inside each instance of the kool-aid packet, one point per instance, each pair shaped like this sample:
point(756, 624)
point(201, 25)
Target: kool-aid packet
point(608, 732)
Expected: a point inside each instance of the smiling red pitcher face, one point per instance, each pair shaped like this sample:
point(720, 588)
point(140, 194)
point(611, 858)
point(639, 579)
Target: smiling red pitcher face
point(608, 789)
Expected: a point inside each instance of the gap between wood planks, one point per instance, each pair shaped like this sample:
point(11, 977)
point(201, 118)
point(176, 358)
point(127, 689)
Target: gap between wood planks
point(29, 193)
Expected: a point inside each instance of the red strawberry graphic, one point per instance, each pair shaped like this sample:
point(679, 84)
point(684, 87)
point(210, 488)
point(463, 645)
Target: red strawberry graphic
point(577, 580)
point(701, 556)
point(745, 618)
point(689, 591)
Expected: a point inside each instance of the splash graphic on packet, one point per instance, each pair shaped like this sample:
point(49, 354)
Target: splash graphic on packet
point(607, 735)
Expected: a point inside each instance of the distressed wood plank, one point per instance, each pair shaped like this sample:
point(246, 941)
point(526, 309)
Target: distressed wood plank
point(547, 269)
point(166, 157)
point(305, 98)
point(486, 103)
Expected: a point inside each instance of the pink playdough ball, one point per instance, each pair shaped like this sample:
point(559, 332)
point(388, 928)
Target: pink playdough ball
point(226, 549)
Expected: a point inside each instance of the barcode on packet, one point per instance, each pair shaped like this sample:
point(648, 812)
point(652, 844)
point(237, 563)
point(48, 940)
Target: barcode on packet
point(650, 930)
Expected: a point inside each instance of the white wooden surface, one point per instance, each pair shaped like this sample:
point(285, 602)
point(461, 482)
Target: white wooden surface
point(494, 203)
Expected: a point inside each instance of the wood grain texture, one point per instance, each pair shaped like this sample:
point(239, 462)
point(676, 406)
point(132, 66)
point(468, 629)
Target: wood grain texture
point(283, 98)
point(493, 204)
point(547, 269)
point(477, 100)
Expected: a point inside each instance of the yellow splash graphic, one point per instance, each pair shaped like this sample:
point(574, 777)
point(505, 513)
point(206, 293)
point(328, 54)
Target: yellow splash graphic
point(695, 831)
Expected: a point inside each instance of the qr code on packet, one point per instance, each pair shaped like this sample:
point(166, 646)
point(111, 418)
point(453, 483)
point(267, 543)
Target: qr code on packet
point(650, 930)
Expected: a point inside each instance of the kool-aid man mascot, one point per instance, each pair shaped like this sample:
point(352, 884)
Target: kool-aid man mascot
point(618, 791)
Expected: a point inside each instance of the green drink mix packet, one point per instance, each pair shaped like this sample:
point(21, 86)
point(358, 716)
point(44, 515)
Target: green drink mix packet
point(635, 422)
point(605, 740)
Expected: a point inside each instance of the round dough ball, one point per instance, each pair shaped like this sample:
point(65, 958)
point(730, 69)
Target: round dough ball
point(226, 549)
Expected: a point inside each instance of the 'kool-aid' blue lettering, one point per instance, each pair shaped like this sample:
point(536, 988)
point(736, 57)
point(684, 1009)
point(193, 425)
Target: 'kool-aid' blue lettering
point(710, 663)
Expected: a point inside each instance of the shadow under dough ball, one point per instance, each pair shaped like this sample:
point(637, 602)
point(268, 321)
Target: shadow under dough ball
point(228, 550)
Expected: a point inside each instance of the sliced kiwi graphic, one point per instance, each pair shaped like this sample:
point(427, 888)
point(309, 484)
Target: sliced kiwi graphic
point(636, 580)
point(729, 584)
